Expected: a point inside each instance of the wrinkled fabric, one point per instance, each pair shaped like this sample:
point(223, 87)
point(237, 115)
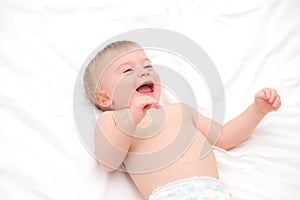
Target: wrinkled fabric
point(44, 44)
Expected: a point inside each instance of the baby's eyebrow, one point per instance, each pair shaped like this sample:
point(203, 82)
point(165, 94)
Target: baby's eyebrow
point(128, 63)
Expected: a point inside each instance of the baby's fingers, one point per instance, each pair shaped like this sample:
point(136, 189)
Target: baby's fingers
point(277, 103)
point(267, 93)
point(156, 105)
point(273, 95)
point(150, 101)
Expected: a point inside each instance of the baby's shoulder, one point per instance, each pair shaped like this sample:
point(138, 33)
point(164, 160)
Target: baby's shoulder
point(105, 117)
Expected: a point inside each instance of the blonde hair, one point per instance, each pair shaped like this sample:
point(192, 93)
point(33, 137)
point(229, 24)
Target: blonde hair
point(98, 65)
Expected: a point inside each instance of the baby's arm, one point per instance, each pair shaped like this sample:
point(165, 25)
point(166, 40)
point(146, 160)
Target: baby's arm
point(115, 129)
point(111, 144)
point(239, 129)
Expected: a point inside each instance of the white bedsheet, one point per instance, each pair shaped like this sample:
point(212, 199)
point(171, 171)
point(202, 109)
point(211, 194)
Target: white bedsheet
point(43, 44)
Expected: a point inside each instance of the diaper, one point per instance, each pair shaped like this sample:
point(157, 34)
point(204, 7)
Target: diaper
point(193, 188)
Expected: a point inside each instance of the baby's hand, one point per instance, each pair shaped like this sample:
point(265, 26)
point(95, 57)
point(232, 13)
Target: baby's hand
point(267, 100)
point(139, 107)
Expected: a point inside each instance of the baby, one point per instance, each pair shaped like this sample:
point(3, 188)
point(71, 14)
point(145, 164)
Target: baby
point(159, 145)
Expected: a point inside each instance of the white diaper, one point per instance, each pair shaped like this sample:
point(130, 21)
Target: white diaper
point(193, 188)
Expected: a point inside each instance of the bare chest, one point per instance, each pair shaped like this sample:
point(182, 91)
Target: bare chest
point(162, 128)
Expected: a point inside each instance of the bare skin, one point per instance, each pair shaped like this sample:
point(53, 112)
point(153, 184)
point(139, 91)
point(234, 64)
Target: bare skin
point(120, 128)
point(189, 164)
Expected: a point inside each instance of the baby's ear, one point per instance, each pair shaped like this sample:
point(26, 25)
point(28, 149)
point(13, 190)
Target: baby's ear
point(103, 99)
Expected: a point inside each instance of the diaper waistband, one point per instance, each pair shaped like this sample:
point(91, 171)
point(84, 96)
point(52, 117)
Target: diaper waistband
point(196, 186)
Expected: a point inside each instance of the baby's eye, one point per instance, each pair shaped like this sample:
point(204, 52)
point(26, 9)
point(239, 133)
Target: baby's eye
point(128, 70)
point(148, 67)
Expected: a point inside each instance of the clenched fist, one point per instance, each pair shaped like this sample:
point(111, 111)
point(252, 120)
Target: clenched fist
point(267, 100)
point(139, 107)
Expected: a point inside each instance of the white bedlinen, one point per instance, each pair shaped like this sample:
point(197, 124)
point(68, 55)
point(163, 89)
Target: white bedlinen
point(43, 44)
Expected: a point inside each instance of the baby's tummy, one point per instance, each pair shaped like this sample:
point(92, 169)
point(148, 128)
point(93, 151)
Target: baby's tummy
point(196, 160)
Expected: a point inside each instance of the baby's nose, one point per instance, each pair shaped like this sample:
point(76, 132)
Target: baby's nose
point(144, 72)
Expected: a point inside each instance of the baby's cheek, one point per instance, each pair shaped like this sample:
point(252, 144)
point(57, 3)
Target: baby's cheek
point(123, 96)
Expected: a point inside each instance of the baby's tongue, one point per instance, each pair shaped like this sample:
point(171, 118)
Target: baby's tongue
point(144, 89)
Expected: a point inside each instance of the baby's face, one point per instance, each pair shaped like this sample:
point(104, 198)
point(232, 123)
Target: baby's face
point(128, 77)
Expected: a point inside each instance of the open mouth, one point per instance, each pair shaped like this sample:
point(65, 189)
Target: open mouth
point(146, 88)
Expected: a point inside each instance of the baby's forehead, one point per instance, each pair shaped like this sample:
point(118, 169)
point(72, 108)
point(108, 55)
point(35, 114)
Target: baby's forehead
point(129, 55)
point(115, 55)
